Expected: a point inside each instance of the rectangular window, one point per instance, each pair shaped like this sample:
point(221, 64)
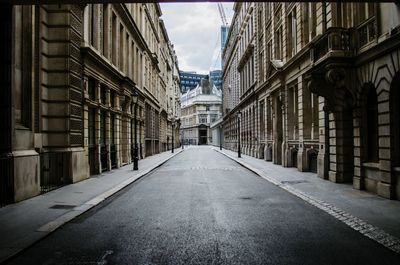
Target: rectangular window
point(105, 30)
point(103, 93)
point(112, 98)
point(92, 24)
point(92, 89)
point(113, 43)
point(292, 33)
point(278, 44)
point(121, 48)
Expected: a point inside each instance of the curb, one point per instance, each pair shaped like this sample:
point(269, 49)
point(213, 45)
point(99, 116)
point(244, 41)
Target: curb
point(52, 226)
point(376, 234)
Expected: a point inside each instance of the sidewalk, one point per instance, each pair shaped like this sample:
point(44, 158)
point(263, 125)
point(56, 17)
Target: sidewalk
point(371, 215)
point(26, 222)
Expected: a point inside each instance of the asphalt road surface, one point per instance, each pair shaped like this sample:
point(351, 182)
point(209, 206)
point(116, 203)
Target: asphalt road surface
point(202, 208)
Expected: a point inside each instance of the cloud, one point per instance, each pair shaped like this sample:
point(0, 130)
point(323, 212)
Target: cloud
point(194, 28)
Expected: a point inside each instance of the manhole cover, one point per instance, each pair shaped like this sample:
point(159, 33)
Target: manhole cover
point(62, 206)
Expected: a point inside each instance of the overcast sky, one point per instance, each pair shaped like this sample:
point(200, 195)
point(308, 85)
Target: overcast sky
point(194, 29)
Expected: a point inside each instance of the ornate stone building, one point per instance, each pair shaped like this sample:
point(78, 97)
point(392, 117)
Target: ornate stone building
point(317, 86)
point(76, 81)
point(201, 106)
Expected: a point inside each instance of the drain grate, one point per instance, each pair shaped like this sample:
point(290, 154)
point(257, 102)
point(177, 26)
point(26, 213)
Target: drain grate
point(62, 206)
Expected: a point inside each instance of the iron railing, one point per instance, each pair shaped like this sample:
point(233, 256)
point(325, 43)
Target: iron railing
point(6, 181)
point(337, 41)
point(54, 171)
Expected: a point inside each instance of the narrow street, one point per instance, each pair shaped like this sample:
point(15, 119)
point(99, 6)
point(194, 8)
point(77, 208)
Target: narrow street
point(203, 208)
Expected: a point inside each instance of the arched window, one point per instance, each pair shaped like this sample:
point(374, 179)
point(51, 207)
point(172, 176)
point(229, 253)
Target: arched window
point(371, 128)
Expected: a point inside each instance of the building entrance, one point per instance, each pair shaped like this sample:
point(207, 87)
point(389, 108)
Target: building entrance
point(202, 135)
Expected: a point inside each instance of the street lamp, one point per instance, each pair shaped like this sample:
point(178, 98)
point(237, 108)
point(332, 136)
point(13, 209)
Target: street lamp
point(220, 137)
point(173, 126)
point(135, 144)
point(239, 114)
point(182, 138)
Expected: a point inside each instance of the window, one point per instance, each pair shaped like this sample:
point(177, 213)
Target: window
point(92, 24)
point(278, 44)
point(361, 12)
point(92, 89)
point(105, 25)
point(121, 48)
point(112, 98)
point(103, 93)
point(203, 118)
point(261, 65)
point(213, 117)
point(113, 43)
point(292, 33)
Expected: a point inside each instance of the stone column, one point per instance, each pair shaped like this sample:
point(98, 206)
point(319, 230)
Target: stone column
point(277, 131)
point(97, 135)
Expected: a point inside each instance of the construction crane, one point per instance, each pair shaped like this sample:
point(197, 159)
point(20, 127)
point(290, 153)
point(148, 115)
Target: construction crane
point(222, 14)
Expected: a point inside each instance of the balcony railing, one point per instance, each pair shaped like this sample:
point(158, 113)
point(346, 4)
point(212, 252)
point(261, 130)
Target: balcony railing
point(335, 42)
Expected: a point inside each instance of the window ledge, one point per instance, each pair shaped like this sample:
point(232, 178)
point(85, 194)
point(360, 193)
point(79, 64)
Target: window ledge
point(371, 165)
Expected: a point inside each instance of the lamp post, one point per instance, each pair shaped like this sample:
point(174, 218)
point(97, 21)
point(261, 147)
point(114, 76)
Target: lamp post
point(173, 126)
point(220, 137)
point(239, 114)
point(182, 138)
point(135, 144)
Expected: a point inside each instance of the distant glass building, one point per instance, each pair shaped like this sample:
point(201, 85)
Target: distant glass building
point(224, 36)
point(189, 80)
point(216, 78)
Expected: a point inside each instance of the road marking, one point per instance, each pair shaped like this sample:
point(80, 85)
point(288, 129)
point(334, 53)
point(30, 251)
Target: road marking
point(366, 229)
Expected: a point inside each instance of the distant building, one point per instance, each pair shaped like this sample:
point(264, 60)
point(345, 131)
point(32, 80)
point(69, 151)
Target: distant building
point(189, 80)
point(216, 78)
point(224, 36)
point(201, 106)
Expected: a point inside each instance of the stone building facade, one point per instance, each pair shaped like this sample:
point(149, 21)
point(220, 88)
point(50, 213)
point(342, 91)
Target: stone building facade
point(77, 80)
point(317, 87)
point(201, 107)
